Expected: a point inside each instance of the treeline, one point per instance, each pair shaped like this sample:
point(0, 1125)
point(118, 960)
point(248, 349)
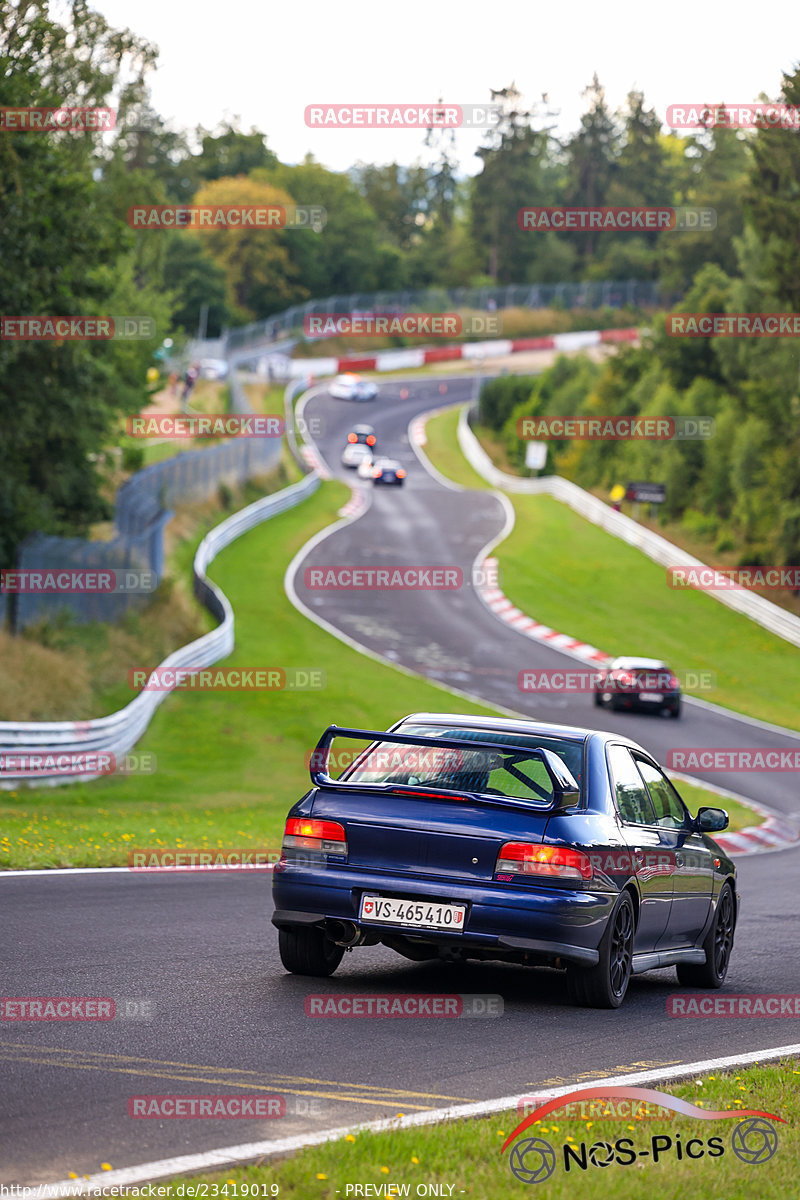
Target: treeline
point(738, 490)
point(392, 227)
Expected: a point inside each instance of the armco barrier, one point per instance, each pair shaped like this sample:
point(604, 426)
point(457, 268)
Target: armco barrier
point(118, 733)
point(783, 624)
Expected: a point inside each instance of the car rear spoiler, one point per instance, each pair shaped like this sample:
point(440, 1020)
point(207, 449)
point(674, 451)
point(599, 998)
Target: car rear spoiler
point(566, 789)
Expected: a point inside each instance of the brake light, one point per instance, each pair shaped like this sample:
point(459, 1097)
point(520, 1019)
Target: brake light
point(674, 683)
point(552, 862)
point(352, 438)
point(429, 795)
point(371, 439)
point(303, 833)
point(376, 474)
point(400, 474)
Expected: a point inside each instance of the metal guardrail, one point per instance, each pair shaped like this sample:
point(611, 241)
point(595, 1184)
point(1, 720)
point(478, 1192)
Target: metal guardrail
point(770, 616)
point(118, 733)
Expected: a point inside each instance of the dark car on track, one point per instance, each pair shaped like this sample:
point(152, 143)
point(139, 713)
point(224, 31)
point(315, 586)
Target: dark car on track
point(363, 435)
point(387, 470)
point(452, 837)
point(639, 684)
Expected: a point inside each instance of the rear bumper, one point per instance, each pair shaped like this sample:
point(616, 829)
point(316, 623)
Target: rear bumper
point(546, 922)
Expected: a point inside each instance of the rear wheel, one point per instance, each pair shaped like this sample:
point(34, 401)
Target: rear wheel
point(717, 945)
point(307, 951)
point(598, 700)
point(605, 985)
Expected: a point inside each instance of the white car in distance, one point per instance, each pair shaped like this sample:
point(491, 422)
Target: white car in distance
point(353, 387)
point(355, 454)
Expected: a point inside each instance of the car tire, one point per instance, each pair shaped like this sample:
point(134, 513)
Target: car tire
point(675, 712)
point(598, 700)
point(717, 945)
point(605, 985)
point(307, 951)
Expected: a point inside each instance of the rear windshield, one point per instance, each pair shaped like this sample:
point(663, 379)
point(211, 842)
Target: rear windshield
point(513, 772)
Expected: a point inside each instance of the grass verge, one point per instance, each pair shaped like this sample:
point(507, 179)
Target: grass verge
point(752, 671)
point(462, 1158)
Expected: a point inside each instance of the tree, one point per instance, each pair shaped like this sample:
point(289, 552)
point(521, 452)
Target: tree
point(259, 274)
point(61, 250)
point(518, 171)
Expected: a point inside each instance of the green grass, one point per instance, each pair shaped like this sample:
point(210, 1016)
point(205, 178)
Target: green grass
point(569, 574)
point(443, 450)
point(465, 1155)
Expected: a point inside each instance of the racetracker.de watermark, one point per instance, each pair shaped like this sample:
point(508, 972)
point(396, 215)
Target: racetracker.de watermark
point(722, 579)
point(181, 858)
point(130, 328)
point(215, 1107)
point(626, 683)
point(75, 1008)
point(22, 764)
point(69, 581)
point(426, 324)
point(201, 217)
point(228, 679)
point(733, 325)
point(711, 1004)
point(402, 578)
point(604, 219)
point(387, 758)
point(726, 758)
point(615, 429)
point(403, 116)
point(761, 115)
point(599, 1109)
point(210, 425)
point(40, 119)
point(393, 1005)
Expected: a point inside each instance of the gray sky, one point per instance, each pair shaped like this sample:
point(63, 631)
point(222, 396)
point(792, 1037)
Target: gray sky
point(266, 62)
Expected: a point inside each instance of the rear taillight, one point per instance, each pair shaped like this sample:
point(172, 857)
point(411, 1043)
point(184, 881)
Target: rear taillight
point(552, 862)
point(371, 439)
point(326, 837)
point(376, 474)
point(625, 678)
point(352, 438)
point(674, 683)
point(401, 474)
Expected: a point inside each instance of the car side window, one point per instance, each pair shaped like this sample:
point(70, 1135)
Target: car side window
point(631, 795)
point(670, 810)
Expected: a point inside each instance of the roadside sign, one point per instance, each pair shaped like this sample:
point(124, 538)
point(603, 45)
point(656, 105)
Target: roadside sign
point(646, 493)
point(535, 455)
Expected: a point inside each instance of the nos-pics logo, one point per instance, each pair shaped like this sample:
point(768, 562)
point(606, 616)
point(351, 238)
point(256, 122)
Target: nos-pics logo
point(754, 1139)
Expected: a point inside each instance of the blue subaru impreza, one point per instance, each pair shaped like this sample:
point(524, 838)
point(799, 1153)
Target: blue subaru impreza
point(459, 837)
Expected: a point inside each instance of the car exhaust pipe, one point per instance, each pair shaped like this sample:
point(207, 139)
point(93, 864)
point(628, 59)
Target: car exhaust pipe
point(345, 933)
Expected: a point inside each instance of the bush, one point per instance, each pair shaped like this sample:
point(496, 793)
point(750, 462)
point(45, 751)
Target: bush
point(132, 458)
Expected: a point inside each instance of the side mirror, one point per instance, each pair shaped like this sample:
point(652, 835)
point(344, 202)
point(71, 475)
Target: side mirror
point(711, 820)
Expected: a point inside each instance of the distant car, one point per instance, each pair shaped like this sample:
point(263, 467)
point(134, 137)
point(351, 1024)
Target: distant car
point(363, 435)
point(457, 837)
point(353, 387)
point(640, 684)
point(364, 469)
point(213, 368)
point(355, 453)
point(387, 470)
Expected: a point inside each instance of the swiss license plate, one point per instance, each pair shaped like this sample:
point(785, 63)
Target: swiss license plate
point(650, 696)
point(419, 914)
